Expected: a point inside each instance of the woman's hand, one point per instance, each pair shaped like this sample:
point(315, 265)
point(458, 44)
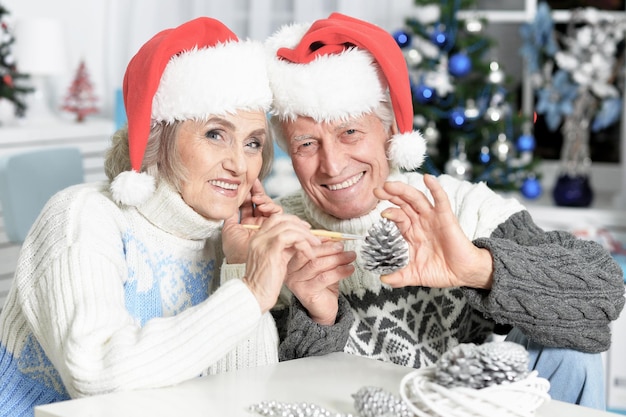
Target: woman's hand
point(258, 205)
point(315, 282)
point(271, 248)
point(235, 238)
point(440, 255)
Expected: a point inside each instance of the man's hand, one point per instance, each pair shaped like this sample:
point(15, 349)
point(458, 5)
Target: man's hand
point(440, 255)
point(315, 282)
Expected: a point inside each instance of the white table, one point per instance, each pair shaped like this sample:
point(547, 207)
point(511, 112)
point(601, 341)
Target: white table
point(327, 381)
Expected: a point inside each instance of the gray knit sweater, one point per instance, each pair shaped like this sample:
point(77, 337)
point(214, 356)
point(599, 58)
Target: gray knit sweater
point(560, 290)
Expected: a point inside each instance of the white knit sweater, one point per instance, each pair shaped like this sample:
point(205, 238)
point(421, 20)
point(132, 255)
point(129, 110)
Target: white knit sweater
point(108, 298)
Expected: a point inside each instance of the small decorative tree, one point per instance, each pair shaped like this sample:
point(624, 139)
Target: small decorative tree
point(9, 75)
point(80, 98)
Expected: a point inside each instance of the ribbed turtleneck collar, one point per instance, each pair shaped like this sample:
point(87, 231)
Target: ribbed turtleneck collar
point(167, 210)
point(359, 225)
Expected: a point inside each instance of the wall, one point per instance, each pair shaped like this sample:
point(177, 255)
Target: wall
point(84, 33)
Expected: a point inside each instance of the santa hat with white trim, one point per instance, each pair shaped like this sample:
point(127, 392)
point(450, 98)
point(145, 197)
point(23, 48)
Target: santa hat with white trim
point(342, 67)
point(197, 69)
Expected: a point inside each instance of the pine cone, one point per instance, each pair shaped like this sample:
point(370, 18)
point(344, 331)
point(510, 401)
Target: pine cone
point(385, 250)
point(376, 402)
point(472, 366)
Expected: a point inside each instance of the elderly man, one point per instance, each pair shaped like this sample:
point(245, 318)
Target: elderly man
point(342, 110)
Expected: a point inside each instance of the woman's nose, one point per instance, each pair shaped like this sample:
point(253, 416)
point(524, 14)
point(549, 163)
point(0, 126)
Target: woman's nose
point(235, 161)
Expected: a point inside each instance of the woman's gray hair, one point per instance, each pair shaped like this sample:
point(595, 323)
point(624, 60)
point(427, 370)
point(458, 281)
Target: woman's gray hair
point(161, 159)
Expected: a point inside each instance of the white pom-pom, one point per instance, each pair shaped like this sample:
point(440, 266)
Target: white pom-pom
point(132, 188)
point(407, 150)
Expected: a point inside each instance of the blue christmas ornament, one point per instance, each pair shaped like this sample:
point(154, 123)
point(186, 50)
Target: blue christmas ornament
point(484, 156)
point(531, 188)
point(402, 37)
point(423, 93)
point(573, 191)
point(459, 65)
point(525, 143)
point(457, 117)
point(439, 37)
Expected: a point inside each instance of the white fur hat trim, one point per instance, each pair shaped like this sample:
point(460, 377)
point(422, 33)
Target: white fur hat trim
point(304, 89)
point(132, 188)
point(407, 150)
point(236, 80)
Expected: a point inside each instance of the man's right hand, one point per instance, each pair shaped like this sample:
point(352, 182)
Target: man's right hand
point(315, 282)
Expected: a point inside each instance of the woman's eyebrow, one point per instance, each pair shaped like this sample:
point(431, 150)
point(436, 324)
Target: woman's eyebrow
point(258, 132)
point(219, 120)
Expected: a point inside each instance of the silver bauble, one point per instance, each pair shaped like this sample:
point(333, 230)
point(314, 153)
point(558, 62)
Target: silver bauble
point(375, 402)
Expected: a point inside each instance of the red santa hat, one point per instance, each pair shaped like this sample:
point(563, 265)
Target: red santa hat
point(342, 67)
point(197, 69)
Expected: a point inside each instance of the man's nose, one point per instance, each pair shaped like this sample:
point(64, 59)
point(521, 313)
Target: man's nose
point(332, 158)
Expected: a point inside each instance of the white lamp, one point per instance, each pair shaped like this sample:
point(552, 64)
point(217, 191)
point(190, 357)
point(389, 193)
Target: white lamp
point(40, 53)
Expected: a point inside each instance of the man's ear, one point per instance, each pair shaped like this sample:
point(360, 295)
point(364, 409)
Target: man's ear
point(393, 128)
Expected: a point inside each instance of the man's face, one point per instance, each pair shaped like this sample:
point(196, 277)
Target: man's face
point(339, 164)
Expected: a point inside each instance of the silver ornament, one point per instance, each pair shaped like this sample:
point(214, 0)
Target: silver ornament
point(471, 110)
point(502, 148)
point(385, 250)
point(375, 402)
point(479, 366)
point(280, 409)
point(459, 167)
point(473, 25)
point(496, 75)
point(413, 57)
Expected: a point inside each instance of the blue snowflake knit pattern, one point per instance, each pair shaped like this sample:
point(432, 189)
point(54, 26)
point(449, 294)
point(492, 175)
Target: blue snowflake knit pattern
point(166, 285)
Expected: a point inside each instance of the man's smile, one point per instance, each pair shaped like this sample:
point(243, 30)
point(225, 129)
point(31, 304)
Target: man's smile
point(345, 184)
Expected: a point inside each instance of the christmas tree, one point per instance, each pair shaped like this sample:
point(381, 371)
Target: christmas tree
point(463, 103)
point(80, 98)
point(9, 76)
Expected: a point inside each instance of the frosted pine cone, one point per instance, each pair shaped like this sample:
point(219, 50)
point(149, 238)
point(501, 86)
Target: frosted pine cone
point(471, 366)
point(385, 250)
point(375, 402)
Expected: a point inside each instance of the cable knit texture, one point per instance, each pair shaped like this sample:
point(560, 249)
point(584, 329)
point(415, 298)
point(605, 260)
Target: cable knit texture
point(555, 277)
point(107, 299)
point(299, 340)
point(414, 326)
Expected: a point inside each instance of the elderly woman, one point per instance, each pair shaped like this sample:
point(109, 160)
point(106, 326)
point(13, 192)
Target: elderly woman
point(139, 282)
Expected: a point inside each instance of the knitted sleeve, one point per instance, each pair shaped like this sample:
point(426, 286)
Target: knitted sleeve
point(560, 290)
point(301, 337)
point(71, 291)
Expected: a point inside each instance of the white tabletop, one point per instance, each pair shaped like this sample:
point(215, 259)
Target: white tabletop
point(327, 381)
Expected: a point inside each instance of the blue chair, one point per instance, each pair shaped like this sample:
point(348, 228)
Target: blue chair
point(29, 178)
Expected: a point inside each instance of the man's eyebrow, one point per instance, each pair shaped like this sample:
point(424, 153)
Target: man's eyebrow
point(301, 138)
point(348, 123)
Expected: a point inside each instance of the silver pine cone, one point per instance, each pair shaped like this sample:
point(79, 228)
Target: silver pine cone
point(479, 366)
point(385, 250)
point(376, 402)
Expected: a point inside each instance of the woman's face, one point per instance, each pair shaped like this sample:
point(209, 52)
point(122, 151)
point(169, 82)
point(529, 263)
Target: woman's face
point(223, 158)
